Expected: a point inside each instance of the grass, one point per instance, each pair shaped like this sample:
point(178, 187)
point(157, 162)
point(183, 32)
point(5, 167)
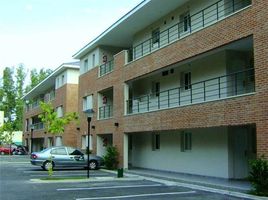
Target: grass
point(63, 178)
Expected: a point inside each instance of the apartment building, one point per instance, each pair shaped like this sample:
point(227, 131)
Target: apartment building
point(60, 88)
point(180, 85)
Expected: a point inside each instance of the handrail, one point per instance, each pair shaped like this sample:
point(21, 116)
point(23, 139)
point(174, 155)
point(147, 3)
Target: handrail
point(105, 112)
point(106, 68)
point(201, 19)
point(233, 84)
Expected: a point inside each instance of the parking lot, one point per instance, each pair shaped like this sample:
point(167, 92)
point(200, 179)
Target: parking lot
point(19, 180)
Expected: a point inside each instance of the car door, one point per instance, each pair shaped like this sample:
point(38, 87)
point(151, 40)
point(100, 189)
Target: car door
point(59, 156)
point(76, 157)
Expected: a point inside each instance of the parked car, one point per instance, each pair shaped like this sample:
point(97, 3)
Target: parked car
point(62, 156)
point(7, 149)
point(20, 150)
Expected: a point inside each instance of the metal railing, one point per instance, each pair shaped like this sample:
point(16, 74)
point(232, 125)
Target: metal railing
point(191, 23)
point(105, 112)
point(106, 68)
point(230, 85)
point(38, 126)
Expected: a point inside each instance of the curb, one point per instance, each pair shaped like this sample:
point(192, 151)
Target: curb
point(195, 187)
point(95, 179)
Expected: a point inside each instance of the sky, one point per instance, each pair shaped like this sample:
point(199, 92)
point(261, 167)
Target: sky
point(47, 33)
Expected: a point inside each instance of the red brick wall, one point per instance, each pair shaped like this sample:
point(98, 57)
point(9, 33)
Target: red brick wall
point(251, 109)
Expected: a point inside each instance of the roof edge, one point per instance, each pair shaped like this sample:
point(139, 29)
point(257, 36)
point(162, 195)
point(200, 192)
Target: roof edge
point(77, 55)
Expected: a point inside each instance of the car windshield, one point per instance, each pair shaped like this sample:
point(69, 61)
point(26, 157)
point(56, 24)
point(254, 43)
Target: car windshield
point(44, 150)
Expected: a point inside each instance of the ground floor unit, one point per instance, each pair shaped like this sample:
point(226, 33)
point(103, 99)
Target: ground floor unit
point(222, 152)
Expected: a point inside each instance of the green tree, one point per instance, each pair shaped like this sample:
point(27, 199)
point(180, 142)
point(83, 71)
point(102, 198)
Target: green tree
point(54, 124)
point(36, 77)
point(20, 79)
point(6, 133)
point(8, 94)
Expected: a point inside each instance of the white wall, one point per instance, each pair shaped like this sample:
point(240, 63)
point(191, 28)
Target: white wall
point(208, 157)
point(191, 6)
point(89, 57)
point(202, 69)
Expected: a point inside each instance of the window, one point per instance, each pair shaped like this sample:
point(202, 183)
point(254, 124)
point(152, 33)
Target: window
point(85, 65)
point(186, 141)
point(73, 151)
point(185, 22)
point(93, 60)
point(84, 141)
point(156, 142)
point(62, 79)
point(156, 88)
point(27, 125)
point(186, 80)
point(88, 102)
point(59, 111)
point(59, 151)
point(58, 140)
point(156, 36)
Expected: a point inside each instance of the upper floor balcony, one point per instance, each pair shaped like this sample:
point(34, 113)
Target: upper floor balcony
point(105, 104)
point(222, 87)
point(199, 15)
point(222, 73)
point(106, 68)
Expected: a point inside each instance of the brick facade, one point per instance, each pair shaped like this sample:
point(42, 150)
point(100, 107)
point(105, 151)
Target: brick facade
point(66, 96)
point(248, 109)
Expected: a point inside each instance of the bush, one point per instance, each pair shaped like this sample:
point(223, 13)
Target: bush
point(111, 157)
point(259, 176)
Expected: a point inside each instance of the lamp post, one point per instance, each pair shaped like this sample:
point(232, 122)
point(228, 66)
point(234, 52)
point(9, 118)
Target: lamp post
point(32, 129)
point(89, 114)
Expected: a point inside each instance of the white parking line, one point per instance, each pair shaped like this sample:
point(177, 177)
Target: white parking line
point(138, 195)
point(57, 175)
point(110, 187)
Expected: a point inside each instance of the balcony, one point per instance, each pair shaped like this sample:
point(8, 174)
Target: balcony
point(38, 126)
point(105, 112)
point(222, 87)
point(188, 25)
point(106, 68)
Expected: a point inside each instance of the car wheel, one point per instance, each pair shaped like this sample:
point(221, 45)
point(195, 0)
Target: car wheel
point(93, 165)
point(47, 165)
point(2, 153)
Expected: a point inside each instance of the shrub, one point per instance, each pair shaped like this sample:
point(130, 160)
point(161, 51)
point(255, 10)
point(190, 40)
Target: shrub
point(259, 176)
point(111, 157)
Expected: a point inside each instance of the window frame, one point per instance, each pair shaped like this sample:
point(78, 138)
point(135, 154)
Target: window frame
point(156, 144)
point(186, 141)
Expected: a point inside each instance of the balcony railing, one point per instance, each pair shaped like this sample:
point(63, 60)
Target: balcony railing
point(230, 85)
point(105, 112)
point(38, 126)
point(106, 68)
point(191, 23)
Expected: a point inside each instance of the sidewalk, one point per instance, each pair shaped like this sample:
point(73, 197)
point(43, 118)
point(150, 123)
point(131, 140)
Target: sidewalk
point(217, 183)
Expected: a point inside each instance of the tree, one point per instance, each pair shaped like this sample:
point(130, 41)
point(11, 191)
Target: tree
point(20, 79)
point(8, 94)
point(6, 133)
point(36, 77)
point(54, 124)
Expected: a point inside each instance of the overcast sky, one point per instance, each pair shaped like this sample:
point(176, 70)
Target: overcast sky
point(46, 33)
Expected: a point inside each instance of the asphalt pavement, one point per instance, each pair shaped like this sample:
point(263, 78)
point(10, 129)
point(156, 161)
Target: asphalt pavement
point(17, 177)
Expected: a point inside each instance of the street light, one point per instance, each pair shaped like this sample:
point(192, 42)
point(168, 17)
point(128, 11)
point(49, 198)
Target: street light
point(32, 129)
point(89, 114)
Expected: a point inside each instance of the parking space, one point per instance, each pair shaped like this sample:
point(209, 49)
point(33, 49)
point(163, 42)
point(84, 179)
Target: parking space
point(16, 184)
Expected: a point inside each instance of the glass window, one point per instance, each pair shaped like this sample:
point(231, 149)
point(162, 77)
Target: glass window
point(59, 151)
point(156, 36)
point(186, 141)
point(87, 103)
point(156, 142)
point(73, 151)
point(86, 65)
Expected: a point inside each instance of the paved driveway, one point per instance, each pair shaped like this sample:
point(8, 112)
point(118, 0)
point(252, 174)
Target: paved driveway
point(15, 184)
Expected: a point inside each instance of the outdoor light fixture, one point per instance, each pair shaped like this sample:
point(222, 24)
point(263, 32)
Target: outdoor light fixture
point(116, 124)
point(89, 114)
point(78, 128)
point(93, 127)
